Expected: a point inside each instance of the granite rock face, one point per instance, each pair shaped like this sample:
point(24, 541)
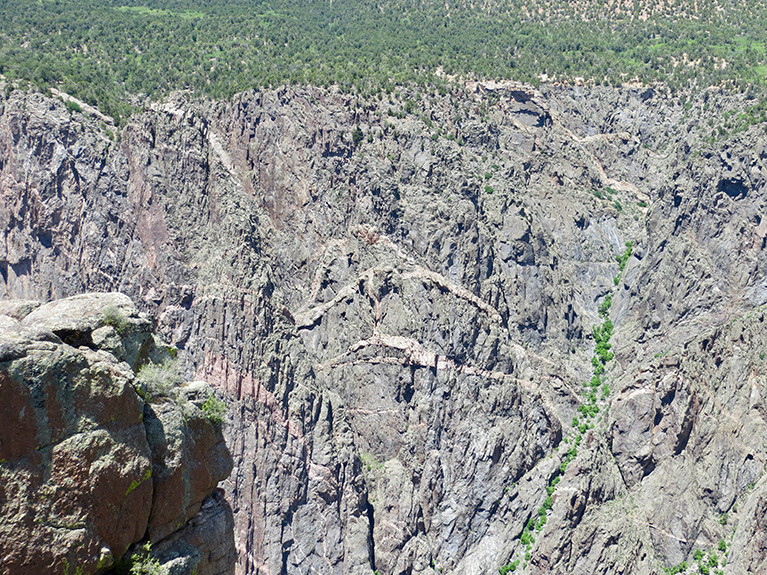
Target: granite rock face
point(396, 296)
point(84, 471)
point(189, 458)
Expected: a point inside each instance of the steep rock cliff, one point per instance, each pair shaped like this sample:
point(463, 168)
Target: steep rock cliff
point(91, 463)
point(397, 296)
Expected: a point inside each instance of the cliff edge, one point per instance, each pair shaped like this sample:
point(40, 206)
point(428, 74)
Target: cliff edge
point(103, 447)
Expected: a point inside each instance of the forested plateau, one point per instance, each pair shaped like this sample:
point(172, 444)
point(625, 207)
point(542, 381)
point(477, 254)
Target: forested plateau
point(117, 53)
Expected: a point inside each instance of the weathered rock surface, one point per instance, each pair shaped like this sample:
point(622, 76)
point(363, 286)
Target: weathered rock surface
point(205, 544)
point(84, 470)
point(74, 459)
point(189, 458)
point(402, 323)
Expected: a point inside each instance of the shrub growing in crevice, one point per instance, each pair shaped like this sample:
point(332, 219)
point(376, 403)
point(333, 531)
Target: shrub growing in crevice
point(117, 319)
point(214, 409)
point(156, 380)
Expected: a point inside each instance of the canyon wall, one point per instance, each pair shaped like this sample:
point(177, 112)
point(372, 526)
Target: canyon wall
point(397, 294)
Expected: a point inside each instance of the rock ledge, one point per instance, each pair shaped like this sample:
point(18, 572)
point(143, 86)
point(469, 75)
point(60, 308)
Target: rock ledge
point(92, 459)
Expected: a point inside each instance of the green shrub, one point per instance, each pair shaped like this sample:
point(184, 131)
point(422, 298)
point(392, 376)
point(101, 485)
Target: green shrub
point(116, 318)
point(602, 335)
point(510, 567)
point(73, 106)
point(140, 562)
point(357, 135)
point(588, 410)
point(159, 378)
point(489, 189)
point(527, 537)
point(599, 368)
point(624, 257)
point(214, 409)
point(604, 307)
point(550, 489)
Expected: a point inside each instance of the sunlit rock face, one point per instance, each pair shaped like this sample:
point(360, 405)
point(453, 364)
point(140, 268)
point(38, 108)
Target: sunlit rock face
point(91, 461)
point(397, 298)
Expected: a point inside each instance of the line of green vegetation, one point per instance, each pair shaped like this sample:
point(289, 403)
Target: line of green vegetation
point(102, 52)
point(622, 259)
point(588, 410)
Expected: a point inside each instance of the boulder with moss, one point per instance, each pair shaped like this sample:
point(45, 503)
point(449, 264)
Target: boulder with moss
point(88, 467)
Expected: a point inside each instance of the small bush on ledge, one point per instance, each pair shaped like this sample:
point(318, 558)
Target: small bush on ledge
point(117, 319)
point(214, 409)
point(158, 379)
point(140, 562)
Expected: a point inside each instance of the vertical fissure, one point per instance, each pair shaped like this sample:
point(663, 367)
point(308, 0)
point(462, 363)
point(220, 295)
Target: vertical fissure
point(371, 540)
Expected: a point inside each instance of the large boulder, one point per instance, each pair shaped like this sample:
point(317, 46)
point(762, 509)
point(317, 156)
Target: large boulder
point(94, 459)
point(108, 321)
point(75, 469)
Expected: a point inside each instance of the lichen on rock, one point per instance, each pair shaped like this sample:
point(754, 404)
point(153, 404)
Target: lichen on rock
point(83, 459)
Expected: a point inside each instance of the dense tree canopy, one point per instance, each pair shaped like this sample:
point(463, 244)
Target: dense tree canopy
point(103, 50)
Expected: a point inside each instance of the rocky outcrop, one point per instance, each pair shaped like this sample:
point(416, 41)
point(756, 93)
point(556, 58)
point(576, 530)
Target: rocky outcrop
point(397, 294)
point(88, 468)
point(189, 458)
